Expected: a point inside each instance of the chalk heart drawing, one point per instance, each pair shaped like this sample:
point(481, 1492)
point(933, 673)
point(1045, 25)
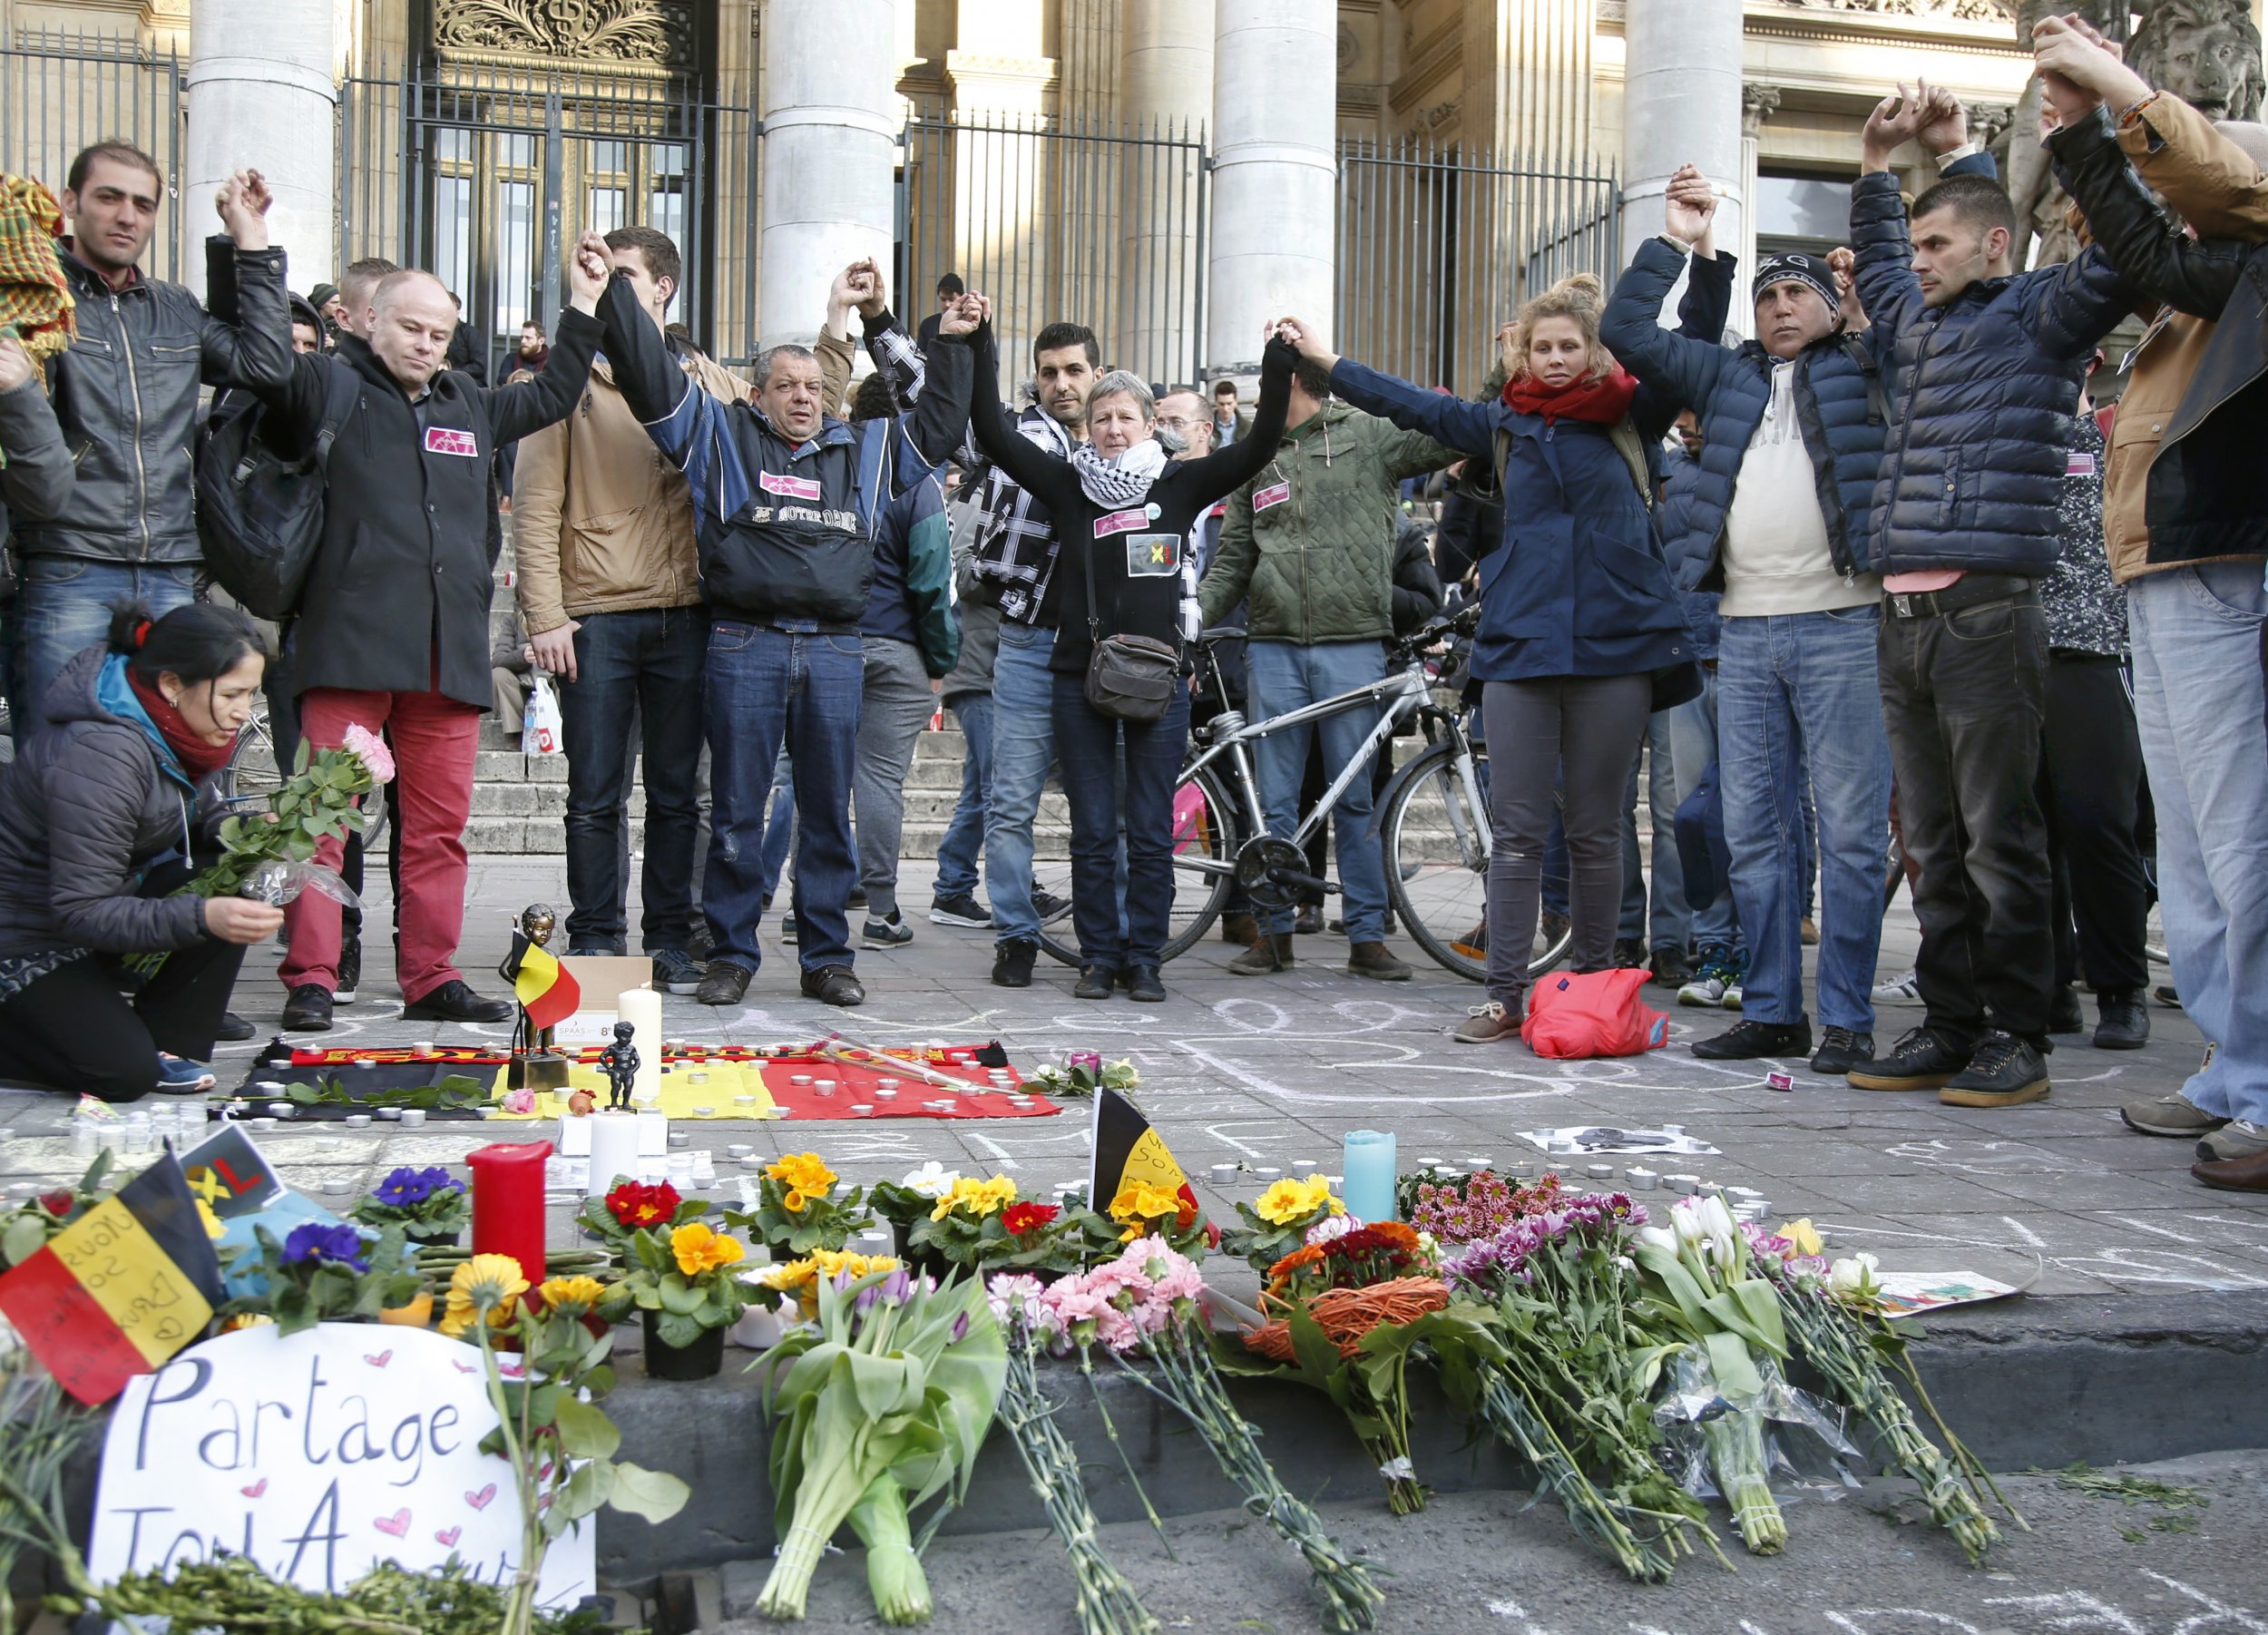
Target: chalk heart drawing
point(319, 1462)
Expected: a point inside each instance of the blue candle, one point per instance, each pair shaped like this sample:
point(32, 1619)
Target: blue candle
point(1368, 1175)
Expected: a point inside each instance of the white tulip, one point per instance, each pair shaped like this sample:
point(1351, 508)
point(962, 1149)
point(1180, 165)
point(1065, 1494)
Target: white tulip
point(1851, 1277)
point(932, 1179)
point(1660, 1237)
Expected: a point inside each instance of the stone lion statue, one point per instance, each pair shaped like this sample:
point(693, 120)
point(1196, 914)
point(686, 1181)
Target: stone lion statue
point(2206, 51)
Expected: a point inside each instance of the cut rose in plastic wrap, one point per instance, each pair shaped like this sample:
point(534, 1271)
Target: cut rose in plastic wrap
point(370, 749)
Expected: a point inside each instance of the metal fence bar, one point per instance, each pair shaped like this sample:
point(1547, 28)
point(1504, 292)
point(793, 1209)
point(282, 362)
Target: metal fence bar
point(63, 92)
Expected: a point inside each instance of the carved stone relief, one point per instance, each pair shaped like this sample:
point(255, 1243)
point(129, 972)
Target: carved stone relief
point(656, 34)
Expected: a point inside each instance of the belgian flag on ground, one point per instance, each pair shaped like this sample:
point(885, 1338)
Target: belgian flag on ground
point(545, 988)
point(1128, 1152)
point(121, 1289)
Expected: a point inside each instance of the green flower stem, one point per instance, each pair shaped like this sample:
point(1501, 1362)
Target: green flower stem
point(1117, 1446)
point(1734, 1440)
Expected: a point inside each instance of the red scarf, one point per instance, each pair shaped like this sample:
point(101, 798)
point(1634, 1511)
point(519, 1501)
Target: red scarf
point(1603, 400)
point(198, 759)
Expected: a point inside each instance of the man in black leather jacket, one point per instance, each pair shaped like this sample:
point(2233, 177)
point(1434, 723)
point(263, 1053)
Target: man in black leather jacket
point(125, 393)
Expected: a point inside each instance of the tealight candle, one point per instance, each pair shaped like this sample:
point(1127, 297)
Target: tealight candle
point(798, 1077)
point(412, 1117)
point(861, 1110)
point(282, 1110)
point(386, 1115)
point(681, 1138)
point(1304, 1167)
point(886, 1091)
point(357, 1121)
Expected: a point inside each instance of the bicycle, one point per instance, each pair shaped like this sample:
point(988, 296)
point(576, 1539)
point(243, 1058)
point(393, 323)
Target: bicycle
point(250, 781)
point(1431, 819)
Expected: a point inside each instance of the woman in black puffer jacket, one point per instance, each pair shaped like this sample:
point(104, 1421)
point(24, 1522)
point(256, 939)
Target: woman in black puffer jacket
point(97, 820)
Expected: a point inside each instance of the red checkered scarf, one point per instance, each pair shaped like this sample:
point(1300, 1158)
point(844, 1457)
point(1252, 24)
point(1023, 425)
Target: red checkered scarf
point(35, 299)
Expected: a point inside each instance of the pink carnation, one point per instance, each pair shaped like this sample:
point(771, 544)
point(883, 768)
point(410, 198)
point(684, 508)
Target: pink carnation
point(1183, 1282)
point(370, 749)
point(1073, 1302)
point(1116, 1329)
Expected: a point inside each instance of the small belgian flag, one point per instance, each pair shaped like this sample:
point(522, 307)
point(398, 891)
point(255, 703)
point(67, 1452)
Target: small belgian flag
point(1128, 1152)
point(545, 987)
point(121, 1289)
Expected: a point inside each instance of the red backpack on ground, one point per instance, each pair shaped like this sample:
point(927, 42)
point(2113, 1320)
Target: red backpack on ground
point(1594, 1014)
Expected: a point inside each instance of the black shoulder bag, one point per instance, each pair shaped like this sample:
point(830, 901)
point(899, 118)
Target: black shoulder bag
point(1129, 678)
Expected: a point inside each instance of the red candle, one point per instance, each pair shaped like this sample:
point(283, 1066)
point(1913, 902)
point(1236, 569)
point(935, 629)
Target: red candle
point(508, 1203)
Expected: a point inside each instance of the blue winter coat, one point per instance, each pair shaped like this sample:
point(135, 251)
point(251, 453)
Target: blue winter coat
point(1577, 586)
point(1972, 470)
point(1687, 548)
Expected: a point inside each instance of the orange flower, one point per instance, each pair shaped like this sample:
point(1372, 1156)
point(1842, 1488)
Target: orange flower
point(1281, 1274)
point(699, 1249)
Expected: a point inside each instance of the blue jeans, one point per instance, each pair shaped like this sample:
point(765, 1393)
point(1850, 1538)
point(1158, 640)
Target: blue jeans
point(1088, 743)
point(896, 705)
point(779, 828)
point(2199, 702)
point(1788, 684)
point(1024, 747)
point(1284, 676)
point(63, 607)
point(768, 688)
point(644, 666)
point(1692, 753)
point(959, 853)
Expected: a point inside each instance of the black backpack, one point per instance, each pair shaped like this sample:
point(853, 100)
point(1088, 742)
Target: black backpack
point(259, 516)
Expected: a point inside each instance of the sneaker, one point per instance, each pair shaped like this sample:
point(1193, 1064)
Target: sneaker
point(1239, 928)
point(1809, 929)
point(1486, 1023)
point(2064, 1015)
point(1629, 954)
point(2165, 995)
point(1918, 1060)
point(675, 972)
point(2176, 1115)
point(961, 908)
point(1144, 986)
point(833, 984)
point(1841, 1050)
point(1378, 962)
point(790, 931)
point(2237, 1139)
point(307, 1009)
point(1265, 958)
point(722, 983)
point(1670, 967)
point(1733, 995)
point(349, 987)
point(1095, 982)
point(1746, 1041)
point(1049, 906)
point(233, 1029)
point(592, 950)
point(454, 1001)
point(2125, 1024)
point(1012, 962)
point(2005, 1072)
point(1899, 990)
point(1705, 987)
point(180, 1077)
point(891, 933)
point(857, 898)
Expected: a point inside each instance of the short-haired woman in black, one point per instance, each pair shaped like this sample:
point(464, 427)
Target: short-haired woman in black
point(98, 817)
point(1124, 517)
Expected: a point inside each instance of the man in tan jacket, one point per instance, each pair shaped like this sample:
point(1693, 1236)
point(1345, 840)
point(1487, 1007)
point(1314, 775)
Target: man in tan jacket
point(2195, 618)
point(609, 587)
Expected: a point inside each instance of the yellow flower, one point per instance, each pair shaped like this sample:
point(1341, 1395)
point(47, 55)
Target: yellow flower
point(806, 1177)
point(976, 1197)
point(789, 1274)
point(700, 1250)
point(1285, 1201)
point(1142, 1201)
point(572, 1296)
point(1803, 1236)
point(995, 1195)
point(486, 1286)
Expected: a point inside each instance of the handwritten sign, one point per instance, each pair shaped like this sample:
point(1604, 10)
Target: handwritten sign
point(318, 1455)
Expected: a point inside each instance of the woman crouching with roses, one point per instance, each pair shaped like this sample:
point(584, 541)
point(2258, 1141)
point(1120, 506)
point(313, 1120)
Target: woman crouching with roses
point(1582, 637)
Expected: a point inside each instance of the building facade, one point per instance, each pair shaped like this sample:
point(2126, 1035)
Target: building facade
point(1172, 171)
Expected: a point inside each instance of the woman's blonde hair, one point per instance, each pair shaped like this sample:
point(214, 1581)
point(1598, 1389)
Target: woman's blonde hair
point(1581, 298)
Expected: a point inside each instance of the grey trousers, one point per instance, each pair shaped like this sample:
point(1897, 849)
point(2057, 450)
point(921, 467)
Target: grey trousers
point(896, 705)
point(1592, 725)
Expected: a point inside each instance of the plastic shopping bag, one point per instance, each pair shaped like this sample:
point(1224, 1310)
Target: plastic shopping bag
point(538, 724)
point(1597, 1013)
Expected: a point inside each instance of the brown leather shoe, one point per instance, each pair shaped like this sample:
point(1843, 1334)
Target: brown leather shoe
point(1488, 1023)
point(1378, 962)
point(1239, 928)
point(1266, 956)
point(2234, 1174)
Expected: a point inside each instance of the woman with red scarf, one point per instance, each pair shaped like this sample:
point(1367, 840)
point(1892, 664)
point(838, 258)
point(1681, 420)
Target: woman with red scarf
point(98, 819)
point(1582, 637)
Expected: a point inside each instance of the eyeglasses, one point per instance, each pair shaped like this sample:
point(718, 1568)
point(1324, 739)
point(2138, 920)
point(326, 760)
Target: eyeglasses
point(1175, 423)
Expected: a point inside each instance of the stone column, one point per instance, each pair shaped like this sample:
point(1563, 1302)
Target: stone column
point(1275, 172)
point(261, 97)
point(1681, 104)
point(830, 123)
point(1165, 91)
point(1757, 103)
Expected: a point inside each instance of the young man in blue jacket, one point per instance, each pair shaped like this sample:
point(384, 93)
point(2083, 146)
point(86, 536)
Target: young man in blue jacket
point(1793, 425)
point(1984, 367)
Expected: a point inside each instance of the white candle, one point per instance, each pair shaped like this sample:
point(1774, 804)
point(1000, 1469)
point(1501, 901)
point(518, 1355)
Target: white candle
point(613, 1149)
point(641, 1008)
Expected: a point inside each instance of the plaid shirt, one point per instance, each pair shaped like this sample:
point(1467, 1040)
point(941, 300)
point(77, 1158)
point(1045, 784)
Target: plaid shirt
point(1014, 551)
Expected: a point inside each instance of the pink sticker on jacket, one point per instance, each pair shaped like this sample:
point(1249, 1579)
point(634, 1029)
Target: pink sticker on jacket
point(1119, 522)
point(1262, 498)
point(795, 489)
point(448, 440)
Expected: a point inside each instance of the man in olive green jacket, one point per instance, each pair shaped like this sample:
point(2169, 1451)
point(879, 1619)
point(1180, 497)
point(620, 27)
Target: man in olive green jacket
point(1309, 546)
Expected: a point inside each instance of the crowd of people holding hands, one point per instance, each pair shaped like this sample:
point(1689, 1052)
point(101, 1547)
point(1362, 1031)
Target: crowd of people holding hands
point(1882, 568)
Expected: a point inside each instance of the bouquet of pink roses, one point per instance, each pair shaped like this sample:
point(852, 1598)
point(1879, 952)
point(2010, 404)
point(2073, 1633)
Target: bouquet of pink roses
point(269, 854)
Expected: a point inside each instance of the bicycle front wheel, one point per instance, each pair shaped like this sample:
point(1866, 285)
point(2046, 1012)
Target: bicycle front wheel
point(1204, 832)
point(1436, 836)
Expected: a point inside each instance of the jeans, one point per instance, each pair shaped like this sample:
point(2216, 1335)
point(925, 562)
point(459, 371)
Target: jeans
point(959, 854)
point(2199, 702)
point(1669, 922)
point(898, 704)
point(644, 666)
point(434, 739)
point(1692, 753)
point(63, 607)
point(1285, 676)
point(1588, 727)
point(779, 827)
point(1962, 700)
point(1089, 744)
point(2090, 773)
point(768, 688)
point(1789, 684)
point(1024, 747)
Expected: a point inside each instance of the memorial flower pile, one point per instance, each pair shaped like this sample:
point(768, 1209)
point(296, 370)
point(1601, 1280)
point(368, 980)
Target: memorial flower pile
point(681, 1280)
point(633, 1206)
point(799, 1209)
point(1279, 1219)
point(1478, 1207)
point(982, 1223)
point(426, 1203)
point(321, 1273)
point(799, 1279)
